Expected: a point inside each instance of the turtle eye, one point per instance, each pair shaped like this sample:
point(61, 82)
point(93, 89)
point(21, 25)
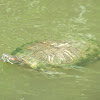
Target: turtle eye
point(7, 57)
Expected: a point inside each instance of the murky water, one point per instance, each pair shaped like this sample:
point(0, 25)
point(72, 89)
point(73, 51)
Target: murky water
point(23, 21)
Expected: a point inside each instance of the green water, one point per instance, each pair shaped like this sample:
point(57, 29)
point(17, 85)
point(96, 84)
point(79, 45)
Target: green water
point(23, 21)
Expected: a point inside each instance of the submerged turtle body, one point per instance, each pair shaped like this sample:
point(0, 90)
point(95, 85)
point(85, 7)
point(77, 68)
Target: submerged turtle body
point(56, 53)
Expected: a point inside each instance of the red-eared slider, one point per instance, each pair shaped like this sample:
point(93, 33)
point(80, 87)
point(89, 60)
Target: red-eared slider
point(55, 53)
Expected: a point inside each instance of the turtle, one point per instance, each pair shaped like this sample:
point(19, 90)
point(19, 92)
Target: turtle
point(55, 53)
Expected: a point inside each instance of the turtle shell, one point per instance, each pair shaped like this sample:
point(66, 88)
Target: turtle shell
point(58, 53)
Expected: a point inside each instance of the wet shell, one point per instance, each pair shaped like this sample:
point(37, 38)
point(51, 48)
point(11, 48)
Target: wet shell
point(58, 53)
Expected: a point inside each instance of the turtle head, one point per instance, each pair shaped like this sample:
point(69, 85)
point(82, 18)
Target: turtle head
point(11, 59)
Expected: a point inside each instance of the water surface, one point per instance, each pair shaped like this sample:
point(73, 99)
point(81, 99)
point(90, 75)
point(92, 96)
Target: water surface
point(23, 21)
